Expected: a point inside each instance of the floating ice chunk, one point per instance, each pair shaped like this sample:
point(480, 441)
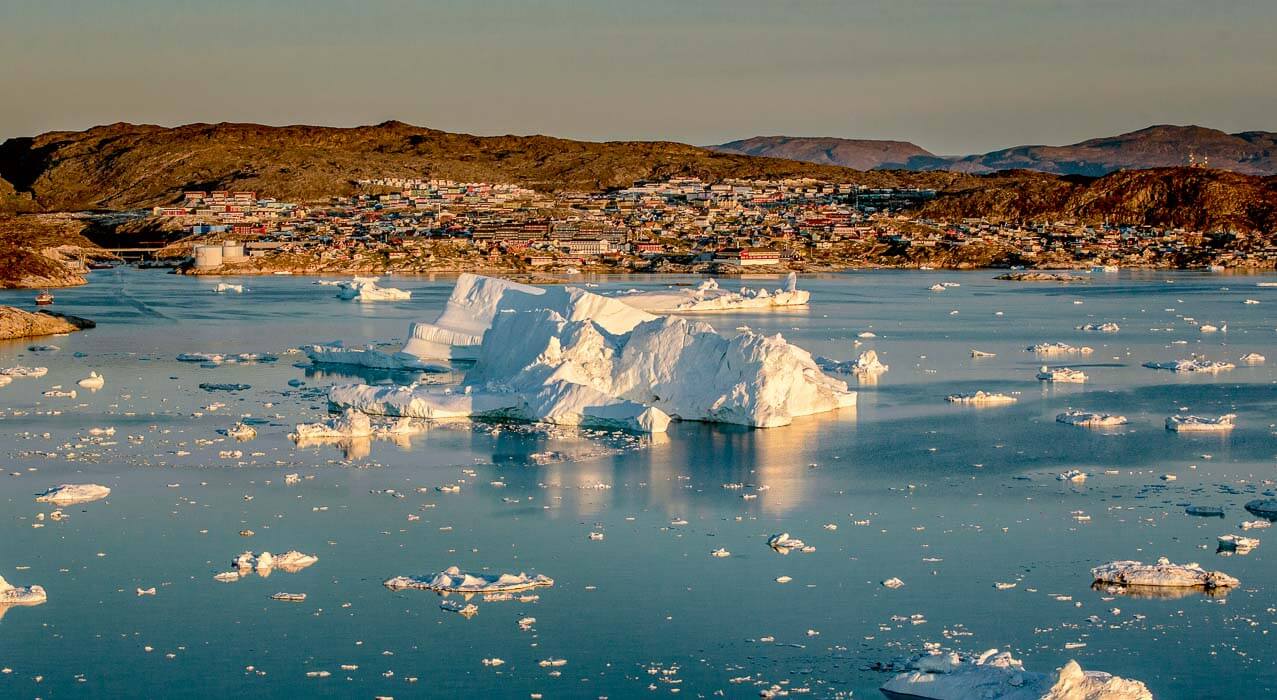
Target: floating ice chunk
point(1091, 420)
point(980, 353)
point(1062, 375)
point(454, 580)
point(866, 334)
point(993, 674)
point(290, 597)
point(1106, 327)
point(1205, 511)
point(241, 431)
point(1208, 328)
point(1192, 365)
point(1255, 525)
point(1253, 358)
point(226, 576)
point(368, 356)
point(225, 287)
point(981, 398)
point(893, 582)
point(1237, 543)
point(1251, 301)
point(20, 372)
point(720, 553)
point(708, 296)
point(1263, 507)
point(865, 365)
point(350, 424)
point(93, 382)
point(936, 287)
point(226, 386)
point(366, 289)
point(265, 563)
point(68, 494)
point(19, 595)
point(201, 357)
point(783, 543)
point(1054, 349)
point(1163, 573)
point(60, 393)
point(1074, 475)
point(1198, 424)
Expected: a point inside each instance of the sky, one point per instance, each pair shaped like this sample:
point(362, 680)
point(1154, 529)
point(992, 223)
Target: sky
point(953, 76)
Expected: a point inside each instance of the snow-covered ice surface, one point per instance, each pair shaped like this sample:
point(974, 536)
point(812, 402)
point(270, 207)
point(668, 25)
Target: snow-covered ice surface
point(70, 494)
point(708, 296)
point(960, 504)
point(995, 674)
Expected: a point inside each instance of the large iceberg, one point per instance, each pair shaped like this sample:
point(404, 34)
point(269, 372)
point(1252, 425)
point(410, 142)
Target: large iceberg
point(995, 674)
point(458, 331)
point(708, 296)
point(565, 355)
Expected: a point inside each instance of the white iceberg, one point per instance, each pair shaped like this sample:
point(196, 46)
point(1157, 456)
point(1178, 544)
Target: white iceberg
point(994, 674)
point(350, 424)
point(93, 382)
point(1163, 573)
point(264, 564)
point(1091, 420)
point(783, 543)
point(981, 398)
point(20, 372)
point(1107, 327)
point(1198, 424)
point(708, 296)
point(69, 494)
point(241, 431)
point(1253, 358)
point(1063, 375)
point(367, 356)
point(224, 287)
point(1053, 349)
point(366, 289)
point(1192, 365)
point(568, 356)
point(454, 580)
point(19, 595)
point(980, 353)
point(867, 364)
point(458, 331)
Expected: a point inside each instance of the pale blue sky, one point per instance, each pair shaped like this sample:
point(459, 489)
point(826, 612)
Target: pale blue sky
point(954, 76)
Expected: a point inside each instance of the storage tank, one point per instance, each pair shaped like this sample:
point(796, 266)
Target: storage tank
point(208, 255)
point(232, 251)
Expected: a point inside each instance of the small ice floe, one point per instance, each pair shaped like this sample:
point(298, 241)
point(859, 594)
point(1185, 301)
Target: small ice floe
point(1205, 511)
point(1208, 328)
point(1263, 507)
point(1237, 543)
point(980, 353)
point(69, 494)
point(493, 662)
point(264, 564)
point(218, 386)
point(290, 597)
point(93, 382)
point(1195, 364)
point(454, 580)
point(1251, 301)
point(241, 431)
point(1062, 375)
point(867, 334)
point(366, 289)
point(981, 398)
point(1198, 424)
point(865, 365)
point(783, 543)
point(1161, 574)
point(226, 576)
point(893, 582)
point(720, 553)
point(225, 287)
point(1055, 349)
point(1091, 420)
point(1253, 358)
point(1075, 475)
point(937, 287)
point(19, 595)
point(146, 591)
point(1004, 586)
point(595, 536)
point(350, 424)
point(20, 372)
point(1107, 327)
point(59, 392)
point(994, 674)
point(1255, 525)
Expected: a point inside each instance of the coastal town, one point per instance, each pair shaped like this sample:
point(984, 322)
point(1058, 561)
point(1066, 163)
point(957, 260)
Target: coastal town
point(675, 225)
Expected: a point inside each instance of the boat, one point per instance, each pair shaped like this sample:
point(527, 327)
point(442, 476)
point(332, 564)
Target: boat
point(43, 298)
point(101, 266)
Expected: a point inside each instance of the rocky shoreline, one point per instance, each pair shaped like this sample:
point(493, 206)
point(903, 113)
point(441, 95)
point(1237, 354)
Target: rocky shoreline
point(17, 323)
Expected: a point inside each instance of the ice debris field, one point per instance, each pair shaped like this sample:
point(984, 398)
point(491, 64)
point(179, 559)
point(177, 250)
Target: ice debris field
point(644, 486)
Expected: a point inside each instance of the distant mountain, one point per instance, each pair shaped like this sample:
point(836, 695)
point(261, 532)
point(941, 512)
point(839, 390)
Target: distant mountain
point(125, 165)
point(1248, 152)
point(861, 154)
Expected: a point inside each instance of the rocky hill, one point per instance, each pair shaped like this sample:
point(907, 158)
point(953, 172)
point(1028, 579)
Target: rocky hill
point(38, 251)
point(125, 165)
point(1193, 198)
point(861, 154)
point(1162, 146)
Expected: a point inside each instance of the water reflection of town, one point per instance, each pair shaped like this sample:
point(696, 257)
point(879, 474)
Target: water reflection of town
point(681, 473)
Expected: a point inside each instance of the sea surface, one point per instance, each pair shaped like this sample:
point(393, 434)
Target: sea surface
point(949, 499)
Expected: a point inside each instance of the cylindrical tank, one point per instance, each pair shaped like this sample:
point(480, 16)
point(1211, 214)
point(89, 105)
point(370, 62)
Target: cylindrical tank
point(232, 251)
point(208, 255)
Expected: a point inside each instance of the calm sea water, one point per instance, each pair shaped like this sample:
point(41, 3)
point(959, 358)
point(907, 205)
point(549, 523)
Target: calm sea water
point(949, 499)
